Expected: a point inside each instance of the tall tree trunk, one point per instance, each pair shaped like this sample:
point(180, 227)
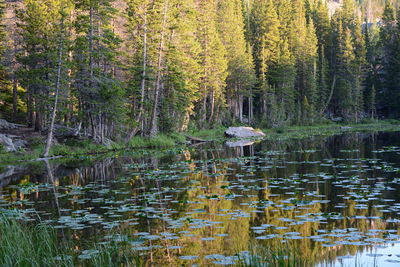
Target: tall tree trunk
point(57, 92)
point(204, 106)
point(91, 68)
point(144, 73)
point(154, 119)
point(30, 114)
point(15, 97)
point(212, 108)
point(140, 117)
point(91, 60)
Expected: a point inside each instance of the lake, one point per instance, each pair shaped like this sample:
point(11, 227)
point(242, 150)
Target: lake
point(324, 201)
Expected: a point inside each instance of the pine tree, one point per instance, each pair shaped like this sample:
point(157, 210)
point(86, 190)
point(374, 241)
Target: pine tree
point(348, 63)
point(5, 96)
point(372, 81)
point(38, 30)
point(99, 93)
point(265, 27)
point(182, 79)
point(139, 45)
point(390, 58)
point(320, 17)
point(241, 75)
point(282, 77)
point(65, 15)
point(214, 64)
point(305, 45)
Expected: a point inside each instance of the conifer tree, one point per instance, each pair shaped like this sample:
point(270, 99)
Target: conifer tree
point(348, 62)
point(305, 50)
point(139, 36)
point(265, 28)
point(38, 30)
point(182, 79)
point(390, 58)
point(214, 63)
point(241, 75)
point(99, 93)
point(4, 88)
point(320, 18)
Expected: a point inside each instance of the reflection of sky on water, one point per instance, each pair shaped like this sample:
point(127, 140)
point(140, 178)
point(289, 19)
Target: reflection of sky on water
point(381, 256)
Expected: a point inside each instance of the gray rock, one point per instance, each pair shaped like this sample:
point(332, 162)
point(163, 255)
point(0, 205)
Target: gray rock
point(5, 125)
point(63, 132)
point(20, 144)
point(243, 132)
point(7, 143)
point(108, 143)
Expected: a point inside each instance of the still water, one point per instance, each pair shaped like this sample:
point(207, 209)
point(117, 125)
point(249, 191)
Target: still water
point(331, 201)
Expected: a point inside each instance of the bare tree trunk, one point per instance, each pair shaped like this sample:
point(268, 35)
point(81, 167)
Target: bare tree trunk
point(154, 119)
point(326, 105)
point(38, 116)
point(15, 97)
point(144, 73)
point(204, 107)
point(140, 118)
point(212, 108)
point(57, 92)
point(251, 106)
point(240, 100)
point(91, 67)
point(30, 117)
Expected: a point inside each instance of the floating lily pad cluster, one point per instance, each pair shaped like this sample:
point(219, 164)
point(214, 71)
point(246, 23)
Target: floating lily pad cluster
point(211, 206)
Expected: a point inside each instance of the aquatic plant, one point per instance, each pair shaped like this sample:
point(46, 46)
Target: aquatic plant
point(22, 244)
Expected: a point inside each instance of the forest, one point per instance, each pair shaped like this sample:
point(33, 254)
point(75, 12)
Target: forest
point(115, 69)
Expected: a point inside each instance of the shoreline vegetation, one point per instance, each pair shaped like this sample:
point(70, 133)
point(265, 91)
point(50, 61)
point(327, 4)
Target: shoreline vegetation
point(87, 148)
point(40, 246)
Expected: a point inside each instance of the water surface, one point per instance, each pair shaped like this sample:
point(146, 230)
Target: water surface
point(334, 201)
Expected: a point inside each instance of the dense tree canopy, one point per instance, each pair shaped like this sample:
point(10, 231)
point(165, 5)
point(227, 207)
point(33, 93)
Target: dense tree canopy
point(141, 67)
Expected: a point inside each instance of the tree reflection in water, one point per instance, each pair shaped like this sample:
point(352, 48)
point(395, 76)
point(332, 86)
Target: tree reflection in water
point(321, 198)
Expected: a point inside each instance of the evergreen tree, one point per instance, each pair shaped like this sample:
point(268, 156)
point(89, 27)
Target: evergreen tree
point(214, 64)
point(241, 76)
point(5, 96)
point(305, 45)
point(182, 79)
point(265, 28)
point(99, 93)
point(38, 30)
point(348, 63)
point(320, 17)
point(139, 46)
point(390, 58)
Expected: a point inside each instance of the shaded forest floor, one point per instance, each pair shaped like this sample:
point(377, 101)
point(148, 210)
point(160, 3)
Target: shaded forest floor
point(84, 149)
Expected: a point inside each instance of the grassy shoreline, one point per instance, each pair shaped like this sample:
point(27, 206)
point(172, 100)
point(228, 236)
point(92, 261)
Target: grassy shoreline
point(24, 244)
point(87, 148)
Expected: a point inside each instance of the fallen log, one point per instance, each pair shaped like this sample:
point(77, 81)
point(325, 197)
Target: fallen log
point(195, 140)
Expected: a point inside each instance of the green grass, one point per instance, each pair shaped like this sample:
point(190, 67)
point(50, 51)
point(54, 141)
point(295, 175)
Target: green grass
point(209, 134)
point(160, 141)
point(22, 245)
